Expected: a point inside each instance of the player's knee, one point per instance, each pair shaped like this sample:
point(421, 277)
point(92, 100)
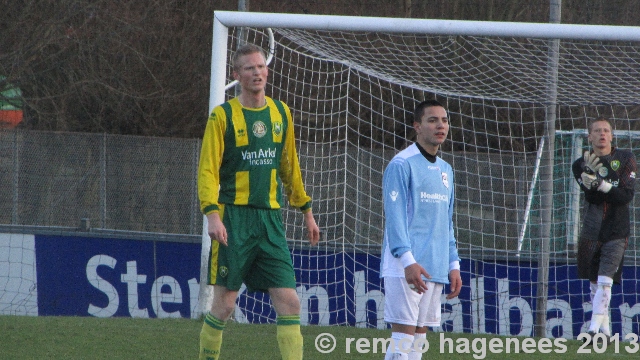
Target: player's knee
point(222, 308)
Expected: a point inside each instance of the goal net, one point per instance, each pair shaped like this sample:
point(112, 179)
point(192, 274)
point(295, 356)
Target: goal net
point(352, 91)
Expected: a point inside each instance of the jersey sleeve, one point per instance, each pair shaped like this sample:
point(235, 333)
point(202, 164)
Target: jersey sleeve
point(623, 193)
point(453, 248)
point(210, 161)
point(290, 173)
point(395, 189)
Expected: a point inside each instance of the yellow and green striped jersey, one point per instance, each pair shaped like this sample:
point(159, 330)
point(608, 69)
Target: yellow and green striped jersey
point(248, 156)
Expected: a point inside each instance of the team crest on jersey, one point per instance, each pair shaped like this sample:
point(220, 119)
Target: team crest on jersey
point(259, 129)
point(445, 180)
point(615, 165)
point(224, 271)
point(277, 128)
point(603, 171)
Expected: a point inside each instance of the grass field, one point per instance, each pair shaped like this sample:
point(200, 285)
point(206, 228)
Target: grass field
point(23, 337)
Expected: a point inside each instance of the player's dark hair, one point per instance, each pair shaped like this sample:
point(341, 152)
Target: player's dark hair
point(243, 50)
point(419, 111)
point(600, 118)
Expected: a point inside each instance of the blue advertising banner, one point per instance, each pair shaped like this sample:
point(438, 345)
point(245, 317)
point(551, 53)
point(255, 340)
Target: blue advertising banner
point(80, 276)
point(87, 276)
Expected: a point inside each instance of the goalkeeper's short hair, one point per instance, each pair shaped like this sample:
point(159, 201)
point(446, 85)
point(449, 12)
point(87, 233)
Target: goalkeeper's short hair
point(417, 113)
point(599, 118)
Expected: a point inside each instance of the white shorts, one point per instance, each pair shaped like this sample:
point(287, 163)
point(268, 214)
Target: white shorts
point(405, 306)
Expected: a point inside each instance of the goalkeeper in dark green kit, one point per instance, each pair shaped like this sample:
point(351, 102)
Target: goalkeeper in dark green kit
point(607, 178)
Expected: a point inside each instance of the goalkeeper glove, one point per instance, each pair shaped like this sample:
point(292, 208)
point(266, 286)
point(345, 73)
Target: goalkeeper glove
point(591, 163)
point(590, 181)
point(591, 176)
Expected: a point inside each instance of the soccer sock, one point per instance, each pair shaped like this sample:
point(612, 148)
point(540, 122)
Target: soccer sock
point(418, 339)
point(600, 304)
point(593, 287)
point(211, 337)
point(399, 346)
point(289, 337)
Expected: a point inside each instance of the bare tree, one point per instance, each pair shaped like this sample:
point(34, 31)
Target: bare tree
point(142, 66)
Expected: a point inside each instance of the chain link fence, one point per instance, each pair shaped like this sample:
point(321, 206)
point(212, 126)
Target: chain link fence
point(114, 182)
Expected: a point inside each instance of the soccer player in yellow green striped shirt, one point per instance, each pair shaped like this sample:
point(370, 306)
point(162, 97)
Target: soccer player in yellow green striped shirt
point(248, 155)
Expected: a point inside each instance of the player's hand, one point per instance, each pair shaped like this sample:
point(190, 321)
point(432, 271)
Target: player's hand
point(590, 181)
point(413, 275)
point(216, 228)
point(455, 284)
point(591, 163)
point(312, 228)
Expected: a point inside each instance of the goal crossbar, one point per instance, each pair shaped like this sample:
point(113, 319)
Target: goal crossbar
point(428, 26)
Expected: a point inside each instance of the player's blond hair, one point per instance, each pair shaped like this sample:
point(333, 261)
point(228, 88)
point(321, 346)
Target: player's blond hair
point(246, 50)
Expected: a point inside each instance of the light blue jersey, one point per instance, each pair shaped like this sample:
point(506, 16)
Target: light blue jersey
point(418, 208)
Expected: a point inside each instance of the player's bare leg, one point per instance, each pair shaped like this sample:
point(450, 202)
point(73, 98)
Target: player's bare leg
point(287, 306)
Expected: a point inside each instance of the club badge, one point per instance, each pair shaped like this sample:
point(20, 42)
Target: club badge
point(277, 128)
point(223, 271)
point(445, 180)
point(259, 129)
point(615, 165)
point(603, 172)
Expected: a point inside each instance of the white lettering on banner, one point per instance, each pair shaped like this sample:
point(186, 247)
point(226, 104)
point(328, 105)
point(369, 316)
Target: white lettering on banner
point(174, 296)
point(103, 286)
point(628, 315)
point(132, 279)
point(318, 293)
point(362, 299)
point(194, 292)
point(164, 290)
point(562, 322)
point(505, 304)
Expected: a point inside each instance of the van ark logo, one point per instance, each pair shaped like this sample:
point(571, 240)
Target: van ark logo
point(259, 129)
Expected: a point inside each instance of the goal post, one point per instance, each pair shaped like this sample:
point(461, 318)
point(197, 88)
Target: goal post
point(352, 82)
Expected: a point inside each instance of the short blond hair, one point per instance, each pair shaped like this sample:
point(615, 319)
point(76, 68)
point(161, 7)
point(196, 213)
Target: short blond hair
point(246, 50)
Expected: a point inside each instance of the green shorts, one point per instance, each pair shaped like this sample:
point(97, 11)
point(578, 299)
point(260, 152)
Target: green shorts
point(257, 252)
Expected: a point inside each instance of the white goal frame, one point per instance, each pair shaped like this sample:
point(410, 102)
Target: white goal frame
point(223, 20)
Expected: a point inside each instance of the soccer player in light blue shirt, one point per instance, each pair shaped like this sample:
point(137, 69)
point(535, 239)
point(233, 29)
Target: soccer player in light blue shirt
point(419, 253)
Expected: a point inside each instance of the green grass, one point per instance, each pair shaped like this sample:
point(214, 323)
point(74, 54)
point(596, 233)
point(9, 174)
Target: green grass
point(24, 337)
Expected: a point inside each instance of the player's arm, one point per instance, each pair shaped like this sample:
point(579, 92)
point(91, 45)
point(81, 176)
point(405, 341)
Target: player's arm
point(291, 177)
point(209, 173)
point(455, 281)
point(623, 193)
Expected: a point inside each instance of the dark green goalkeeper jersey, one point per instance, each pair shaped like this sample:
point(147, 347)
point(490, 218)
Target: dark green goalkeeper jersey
point(248, 156)
point(606, 216)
